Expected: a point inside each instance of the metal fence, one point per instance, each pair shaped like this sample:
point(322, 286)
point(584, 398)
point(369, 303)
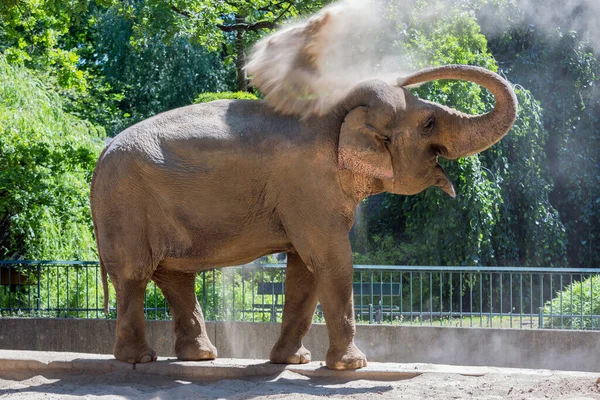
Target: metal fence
point(502, 297)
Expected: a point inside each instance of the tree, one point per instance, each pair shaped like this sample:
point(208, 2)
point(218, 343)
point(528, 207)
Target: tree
point(46, 161)
point(44, 36)
point(229, 25)
point(151, 76)
point(562, 69)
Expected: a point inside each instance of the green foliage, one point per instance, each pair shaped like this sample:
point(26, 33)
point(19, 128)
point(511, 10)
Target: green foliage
point(562, 72)
point(576, 303)
point(43, 35)
point(46, 159)
point(149, 77)
point(207, 97)
point(201, 20)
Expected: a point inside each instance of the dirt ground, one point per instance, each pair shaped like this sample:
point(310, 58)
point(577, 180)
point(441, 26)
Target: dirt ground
point(290, 385)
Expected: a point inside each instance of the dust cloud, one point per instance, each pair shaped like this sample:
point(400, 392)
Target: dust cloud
point(309, 65)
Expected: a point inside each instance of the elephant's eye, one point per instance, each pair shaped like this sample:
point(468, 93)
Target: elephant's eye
point(429, 125)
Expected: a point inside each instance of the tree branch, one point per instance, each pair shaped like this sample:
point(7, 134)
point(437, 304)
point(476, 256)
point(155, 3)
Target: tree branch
point(181, 12)
point(283, 12)
point(247, 27)
point(257, 25)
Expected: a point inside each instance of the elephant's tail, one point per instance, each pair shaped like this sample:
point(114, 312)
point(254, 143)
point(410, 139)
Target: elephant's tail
point(103, 273)
point(103, 276)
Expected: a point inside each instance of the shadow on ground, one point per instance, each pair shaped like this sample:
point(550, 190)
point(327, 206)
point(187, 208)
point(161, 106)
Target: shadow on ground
point(133, 384)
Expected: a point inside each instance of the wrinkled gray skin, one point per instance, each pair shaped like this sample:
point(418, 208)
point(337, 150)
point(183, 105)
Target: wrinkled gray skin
point(223, 183)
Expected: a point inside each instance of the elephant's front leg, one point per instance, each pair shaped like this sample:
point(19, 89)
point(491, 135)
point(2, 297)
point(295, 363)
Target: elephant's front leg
point(298, 311)
point(334, 283)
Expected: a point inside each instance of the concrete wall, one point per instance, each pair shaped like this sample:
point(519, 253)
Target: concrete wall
point(551, 349)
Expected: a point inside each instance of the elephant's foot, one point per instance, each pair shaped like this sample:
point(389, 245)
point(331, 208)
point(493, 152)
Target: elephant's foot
point(133, 352)
point(290, 354)
point(350, 358)
point(195, 349)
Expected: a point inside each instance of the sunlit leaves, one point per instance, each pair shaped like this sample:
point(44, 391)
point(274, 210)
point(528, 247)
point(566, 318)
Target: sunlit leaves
point(46, 160)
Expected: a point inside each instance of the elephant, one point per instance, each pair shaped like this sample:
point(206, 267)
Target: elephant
point(222, 183)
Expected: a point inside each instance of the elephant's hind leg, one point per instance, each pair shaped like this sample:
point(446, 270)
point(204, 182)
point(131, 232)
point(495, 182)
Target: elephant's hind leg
point(130, 345)
point(191, 341)
point(298, 311)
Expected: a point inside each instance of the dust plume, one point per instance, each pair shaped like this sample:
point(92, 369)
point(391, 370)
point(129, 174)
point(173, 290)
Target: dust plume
point(307, 67)
point(546, 17)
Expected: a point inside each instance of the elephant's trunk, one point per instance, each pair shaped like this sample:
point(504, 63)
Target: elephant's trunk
point(461, 134)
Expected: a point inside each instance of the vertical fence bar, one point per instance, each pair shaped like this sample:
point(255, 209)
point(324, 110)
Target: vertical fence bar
point(591, 303)
point(371, 299)
point(461, 297)
point(48, 288)
point(491, 299)
point(401, 296)
point(391, 297)
point(430, 298)
point(512, 309)
point(253, 286)
point(441, 275)
point(562, 311)
point(480, 299)
point(501, 276)
point(531, 300)
point(471, 299)
point(87, 291)
point(450, 315)
point(571, 302)
point(214, 306)
point(67, 303)
point(39, 291)
point(581, 297)
point(362, 306)
point(57, 293)
point(76, 291)
point(233, 274)
point(411, 297)
point(541, 297)
point(380, 312)
point(551, 310)
point(97, 270)
point(521, 301)
point(421, 298)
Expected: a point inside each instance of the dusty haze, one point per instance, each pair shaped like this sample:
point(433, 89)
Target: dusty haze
point(309, 65)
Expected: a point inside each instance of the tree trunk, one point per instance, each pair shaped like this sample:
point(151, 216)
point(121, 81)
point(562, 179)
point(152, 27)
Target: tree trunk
point(242, 80)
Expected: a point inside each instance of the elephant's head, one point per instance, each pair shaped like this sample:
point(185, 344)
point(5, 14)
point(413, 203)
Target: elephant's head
point(387, 133)
point(390, 134)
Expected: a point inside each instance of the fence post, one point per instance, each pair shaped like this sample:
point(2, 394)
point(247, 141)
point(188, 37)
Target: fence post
point(541, 317)
point(38, 290)
point(371, 314)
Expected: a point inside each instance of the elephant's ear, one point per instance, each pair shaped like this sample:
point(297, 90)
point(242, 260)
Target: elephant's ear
point(361, 149)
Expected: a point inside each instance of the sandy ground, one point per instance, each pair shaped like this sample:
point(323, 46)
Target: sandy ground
point(291, 385)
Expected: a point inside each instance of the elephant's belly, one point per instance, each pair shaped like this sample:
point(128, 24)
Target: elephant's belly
point(212, 249)
point(224, 257)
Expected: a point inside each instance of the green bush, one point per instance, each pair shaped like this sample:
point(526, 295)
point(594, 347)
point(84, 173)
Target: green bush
point(577, 299)
point(209, 96)
point(46, 161)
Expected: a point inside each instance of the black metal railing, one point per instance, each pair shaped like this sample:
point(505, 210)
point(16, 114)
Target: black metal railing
point(505, 297)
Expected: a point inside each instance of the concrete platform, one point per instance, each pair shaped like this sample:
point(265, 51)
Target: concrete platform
point(42, 362)
point(36, 375)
